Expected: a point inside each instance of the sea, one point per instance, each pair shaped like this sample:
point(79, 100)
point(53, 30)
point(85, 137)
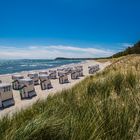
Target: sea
point(14, 66)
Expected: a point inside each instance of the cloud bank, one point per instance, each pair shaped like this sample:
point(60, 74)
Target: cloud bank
point(52, 51)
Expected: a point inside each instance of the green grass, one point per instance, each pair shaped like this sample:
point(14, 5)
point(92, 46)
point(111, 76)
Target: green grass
point(102, 107)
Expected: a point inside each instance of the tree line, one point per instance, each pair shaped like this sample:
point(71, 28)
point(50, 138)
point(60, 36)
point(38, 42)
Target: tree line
point(135, 49)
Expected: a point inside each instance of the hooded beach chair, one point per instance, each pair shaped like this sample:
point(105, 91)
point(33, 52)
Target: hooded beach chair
point(45, 82)
point(52, 74)
point(15, 83)
point(93, 69)
point(60, 69)
point(34, 77)
point(74, 75)
point(79, 69)
point(43, 72)
point(27, 89)
point(68, 70)
point(63, 78)
point(6, 95)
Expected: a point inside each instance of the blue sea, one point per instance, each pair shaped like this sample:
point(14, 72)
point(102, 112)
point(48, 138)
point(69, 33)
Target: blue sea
point(13, 66)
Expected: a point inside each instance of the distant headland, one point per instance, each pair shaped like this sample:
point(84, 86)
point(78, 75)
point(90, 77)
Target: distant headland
point(64, 58)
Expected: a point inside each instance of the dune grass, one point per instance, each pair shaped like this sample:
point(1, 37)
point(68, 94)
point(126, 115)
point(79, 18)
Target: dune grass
point(102, 107)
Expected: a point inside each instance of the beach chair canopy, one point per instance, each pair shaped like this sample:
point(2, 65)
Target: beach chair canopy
point(27, 81)
point(52, 71)
point(62, 73)
point(16, 77)
point(33, 75)
point(5, 87)
point(60, 69)
point(43, 76)
point(94, 66)
point(43, 72)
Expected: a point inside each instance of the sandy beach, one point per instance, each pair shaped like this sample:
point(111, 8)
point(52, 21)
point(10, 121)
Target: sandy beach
point(22, 104)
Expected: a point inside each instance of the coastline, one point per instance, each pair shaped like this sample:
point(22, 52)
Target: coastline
point(38, 70)
point(23, 104)
point(47, 66)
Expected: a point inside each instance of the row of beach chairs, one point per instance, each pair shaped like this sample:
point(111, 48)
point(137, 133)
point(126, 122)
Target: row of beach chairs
point(26, 86)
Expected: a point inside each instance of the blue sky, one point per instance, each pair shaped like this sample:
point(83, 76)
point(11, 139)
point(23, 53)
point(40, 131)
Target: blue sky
point(67, 28)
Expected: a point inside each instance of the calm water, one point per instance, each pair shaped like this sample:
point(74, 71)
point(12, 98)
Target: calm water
point(13, 66)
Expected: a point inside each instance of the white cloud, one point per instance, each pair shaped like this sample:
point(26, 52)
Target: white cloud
point(43, 52)
point(126, 44)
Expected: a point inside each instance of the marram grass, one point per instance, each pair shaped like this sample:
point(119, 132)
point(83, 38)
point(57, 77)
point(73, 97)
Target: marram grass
point(102, 107)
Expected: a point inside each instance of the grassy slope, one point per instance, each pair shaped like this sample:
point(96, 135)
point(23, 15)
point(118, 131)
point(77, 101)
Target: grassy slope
point(105, 106)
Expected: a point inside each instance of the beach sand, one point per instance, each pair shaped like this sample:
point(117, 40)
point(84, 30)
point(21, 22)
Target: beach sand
point(22, 104)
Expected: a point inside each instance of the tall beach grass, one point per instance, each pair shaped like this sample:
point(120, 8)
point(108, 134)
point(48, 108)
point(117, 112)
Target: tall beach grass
point(105, 106)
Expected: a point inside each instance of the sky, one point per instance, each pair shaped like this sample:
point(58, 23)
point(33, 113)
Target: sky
point(67, 28)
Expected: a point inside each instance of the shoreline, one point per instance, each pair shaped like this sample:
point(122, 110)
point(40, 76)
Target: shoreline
point(38, 70)
point(43, 94)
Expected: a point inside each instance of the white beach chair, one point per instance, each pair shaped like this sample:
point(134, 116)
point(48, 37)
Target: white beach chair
point(6, 95)
point(45, 82)
point(97, 67)
point(60, 69)
point(63, 78)
point(60, 73)
point(27, 89)
point(43, 72)
point(15, 83)
point(79, 69)
point(93, 69)
point(52, 74)
point(74, 75)
point(68, 70)
point(34, 77)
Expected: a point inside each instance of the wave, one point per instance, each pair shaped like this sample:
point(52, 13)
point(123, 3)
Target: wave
point(15, 66)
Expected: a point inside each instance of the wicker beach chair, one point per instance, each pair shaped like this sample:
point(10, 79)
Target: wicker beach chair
point(15, 83)
point(45, 82)
point(6, 95)
point(52, 74)
point(63, 78)
point(74, 75)
point(34, 77)
point(27, 89)
point(93, 69)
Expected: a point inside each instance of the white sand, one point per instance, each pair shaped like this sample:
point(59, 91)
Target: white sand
point(22, 104)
